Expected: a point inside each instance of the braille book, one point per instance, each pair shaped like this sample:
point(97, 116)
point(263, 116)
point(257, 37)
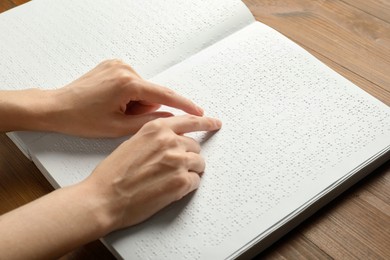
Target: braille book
point(295, 133)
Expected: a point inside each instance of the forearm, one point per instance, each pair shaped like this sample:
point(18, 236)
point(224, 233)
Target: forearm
point(53, 225)
point(30, 109)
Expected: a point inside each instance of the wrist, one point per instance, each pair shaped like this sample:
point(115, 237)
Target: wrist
point(29, 109)
point(98, 205)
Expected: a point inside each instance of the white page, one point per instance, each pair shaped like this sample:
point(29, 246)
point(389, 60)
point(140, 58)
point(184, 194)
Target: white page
point(49, 43)
point(292, 130)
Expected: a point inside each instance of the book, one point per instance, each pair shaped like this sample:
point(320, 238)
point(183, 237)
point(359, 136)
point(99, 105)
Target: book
point(295, 133)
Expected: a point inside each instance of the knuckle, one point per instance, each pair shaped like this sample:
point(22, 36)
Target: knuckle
point(115, 62)
point(197, 146)
point(119, 64)
point(168, 92)
point(176, 160)
point(179, 181)
point(123, 78)
point(159, 134)
point(194, 121)
point(127, 67)
point(187, 159)
point(120, 70)
point(182, 184)
point(171, 140)
point(194, 145)
point(197, 160)
point(163, 142)
point(111, 62)
point(202, 163)
point(155, 125)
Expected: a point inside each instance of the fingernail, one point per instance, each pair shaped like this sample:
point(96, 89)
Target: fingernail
point(218, 123)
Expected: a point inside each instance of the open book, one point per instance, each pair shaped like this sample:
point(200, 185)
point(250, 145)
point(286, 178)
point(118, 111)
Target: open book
point(295, 133)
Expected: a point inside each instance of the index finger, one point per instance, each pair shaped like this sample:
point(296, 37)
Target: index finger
point(154, 93)
point(187, 124)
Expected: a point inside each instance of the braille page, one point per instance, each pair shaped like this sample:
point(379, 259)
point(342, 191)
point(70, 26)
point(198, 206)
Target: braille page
point(49, 43)
point(293, 130)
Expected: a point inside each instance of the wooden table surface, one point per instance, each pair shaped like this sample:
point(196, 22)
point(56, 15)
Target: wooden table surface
point(353, 38)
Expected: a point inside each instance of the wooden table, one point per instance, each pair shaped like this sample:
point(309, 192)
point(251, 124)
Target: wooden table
point(352, 37)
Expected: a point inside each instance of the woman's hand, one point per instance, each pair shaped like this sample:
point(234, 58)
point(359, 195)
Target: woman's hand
point(111, 100)
point(155, 167)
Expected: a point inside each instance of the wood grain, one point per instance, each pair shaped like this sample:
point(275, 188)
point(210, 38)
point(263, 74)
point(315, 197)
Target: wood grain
point(350, 36)
point(5, 5)
point(354, 226)
point(344, 34)
point(379, 9)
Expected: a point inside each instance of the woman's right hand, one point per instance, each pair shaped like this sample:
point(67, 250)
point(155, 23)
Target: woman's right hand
point(154, 168)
